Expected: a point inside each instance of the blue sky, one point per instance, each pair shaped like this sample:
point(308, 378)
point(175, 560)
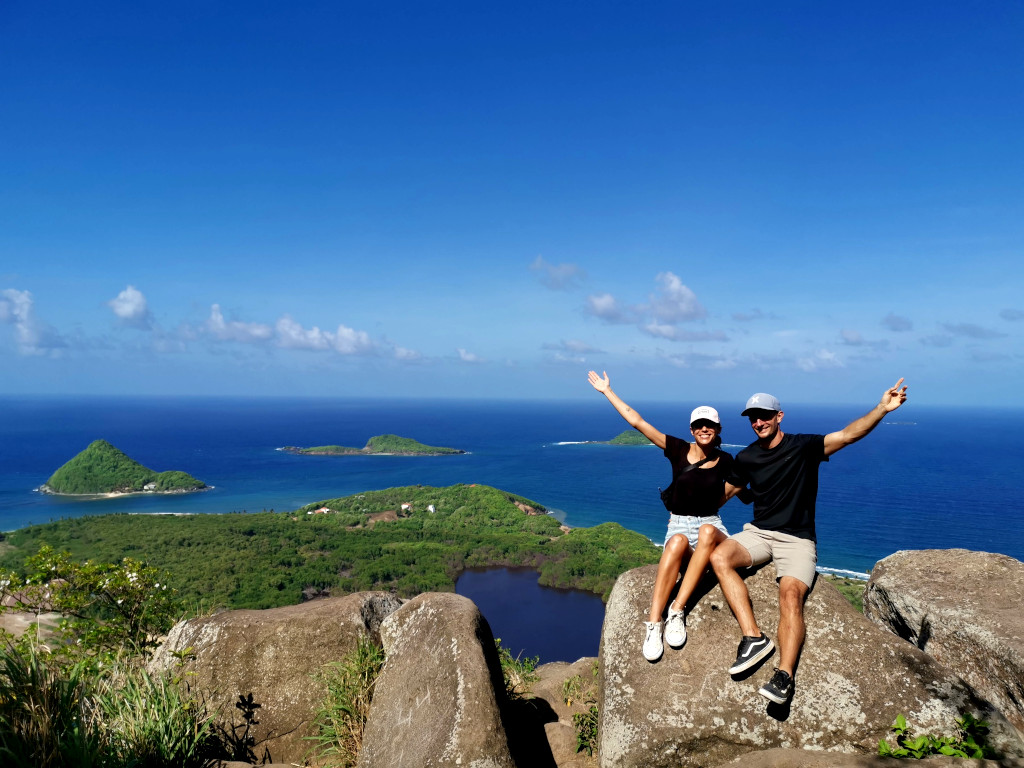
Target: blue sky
point(441, 199)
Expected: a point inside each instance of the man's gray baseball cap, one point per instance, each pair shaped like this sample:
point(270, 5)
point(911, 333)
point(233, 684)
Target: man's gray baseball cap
point(762, 401)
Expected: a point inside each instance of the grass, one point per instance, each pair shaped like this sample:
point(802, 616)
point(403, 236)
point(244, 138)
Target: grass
point(851, 589)
point(342, 716)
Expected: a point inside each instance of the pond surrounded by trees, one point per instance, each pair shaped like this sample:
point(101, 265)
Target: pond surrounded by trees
point(554, 624)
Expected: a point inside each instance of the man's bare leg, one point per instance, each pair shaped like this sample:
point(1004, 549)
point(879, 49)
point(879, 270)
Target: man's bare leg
point(792, 594)
point(727, 558)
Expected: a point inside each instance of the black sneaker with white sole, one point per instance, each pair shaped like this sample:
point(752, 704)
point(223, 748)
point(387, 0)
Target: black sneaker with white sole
point(779, 688)
point(751, 651)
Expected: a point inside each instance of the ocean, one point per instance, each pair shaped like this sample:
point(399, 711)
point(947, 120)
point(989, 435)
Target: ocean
point(916, 482)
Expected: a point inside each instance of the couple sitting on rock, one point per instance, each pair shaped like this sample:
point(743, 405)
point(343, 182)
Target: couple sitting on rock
point(779, 473)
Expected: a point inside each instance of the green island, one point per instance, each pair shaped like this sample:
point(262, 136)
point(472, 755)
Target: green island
point(391, 445)
point(351, 544)
point(629, 437)
point(103, 469)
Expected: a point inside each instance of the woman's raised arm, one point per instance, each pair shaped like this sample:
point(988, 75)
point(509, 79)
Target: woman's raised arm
point(603, 385)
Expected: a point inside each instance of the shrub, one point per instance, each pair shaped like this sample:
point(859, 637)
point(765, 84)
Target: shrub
point(341, 718)
point(970, 741)
point(519, 673)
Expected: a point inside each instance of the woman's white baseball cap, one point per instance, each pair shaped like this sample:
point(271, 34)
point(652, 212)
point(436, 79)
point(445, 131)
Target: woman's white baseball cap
point(705, 412)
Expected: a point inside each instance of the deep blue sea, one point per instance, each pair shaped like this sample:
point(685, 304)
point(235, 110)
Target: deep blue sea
point(926, 478)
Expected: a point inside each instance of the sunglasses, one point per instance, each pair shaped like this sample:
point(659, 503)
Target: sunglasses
point(761, 416)
point(701, 423)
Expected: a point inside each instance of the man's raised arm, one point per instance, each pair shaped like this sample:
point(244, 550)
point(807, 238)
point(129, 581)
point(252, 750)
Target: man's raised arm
point(891, 400)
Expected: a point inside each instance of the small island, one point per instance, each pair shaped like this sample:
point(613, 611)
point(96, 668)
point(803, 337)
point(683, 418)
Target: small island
point(381, 445)
point(629, 437)
point(101, 469)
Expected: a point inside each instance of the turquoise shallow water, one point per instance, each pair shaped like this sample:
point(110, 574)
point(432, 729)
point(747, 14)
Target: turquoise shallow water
point(909, 485)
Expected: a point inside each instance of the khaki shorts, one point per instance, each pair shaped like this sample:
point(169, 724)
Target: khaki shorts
point(793, 556)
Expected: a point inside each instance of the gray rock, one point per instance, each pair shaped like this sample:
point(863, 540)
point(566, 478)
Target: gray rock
point(965, 609)
point(436, 700)
point(686, 710)
point(799, 758)
point(549, 697)
point(273, 654)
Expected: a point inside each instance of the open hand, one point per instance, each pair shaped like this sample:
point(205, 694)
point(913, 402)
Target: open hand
point(895, 397)
point(602, 384)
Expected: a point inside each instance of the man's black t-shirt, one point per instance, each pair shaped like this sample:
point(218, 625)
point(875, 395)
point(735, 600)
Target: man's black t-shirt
point(697, 491)
point(784, 482)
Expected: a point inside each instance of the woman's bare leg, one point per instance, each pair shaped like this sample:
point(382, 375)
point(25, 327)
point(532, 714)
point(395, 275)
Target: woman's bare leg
point(708, 538)
point(677, 551)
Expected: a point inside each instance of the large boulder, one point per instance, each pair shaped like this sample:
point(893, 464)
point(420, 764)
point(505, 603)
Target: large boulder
point(273, 655)
point(798, 758)
point(436, 701)
point(965, 609)
point(686, 710)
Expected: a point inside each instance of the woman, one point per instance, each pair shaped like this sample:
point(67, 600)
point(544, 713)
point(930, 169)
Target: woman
point(695, 528)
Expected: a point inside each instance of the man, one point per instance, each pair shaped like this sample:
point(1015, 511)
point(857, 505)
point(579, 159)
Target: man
point(782, 470)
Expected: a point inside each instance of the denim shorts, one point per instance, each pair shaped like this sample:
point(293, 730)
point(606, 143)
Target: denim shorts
point(689, 526)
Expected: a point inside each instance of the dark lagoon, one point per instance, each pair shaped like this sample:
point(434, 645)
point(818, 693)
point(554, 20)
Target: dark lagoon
point(554, 624)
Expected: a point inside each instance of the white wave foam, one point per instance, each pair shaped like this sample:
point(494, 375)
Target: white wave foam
point(843, 572)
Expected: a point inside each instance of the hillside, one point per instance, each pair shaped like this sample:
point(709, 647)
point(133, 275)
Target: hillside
point(356, 543)
point(379, 444)
point(102, 468)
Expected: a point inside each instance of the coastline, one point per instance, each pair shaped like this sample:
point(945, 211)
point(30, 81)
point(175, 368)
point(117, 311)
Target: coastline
point(47, 491)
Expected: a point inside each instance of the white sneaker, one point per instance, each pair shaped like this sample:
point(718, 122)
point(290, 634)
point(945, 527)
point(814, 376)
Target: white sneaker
point(653, 647)
point(675, 628)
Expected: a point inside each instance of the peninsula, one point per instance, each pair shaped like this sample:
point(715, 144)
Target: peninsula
point(382, 445)
point(101, 469)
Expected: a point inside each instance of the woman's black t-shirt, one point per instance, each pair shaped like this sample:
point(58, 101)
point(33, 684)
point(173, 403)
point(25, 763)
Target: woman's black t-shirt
point(697, 491)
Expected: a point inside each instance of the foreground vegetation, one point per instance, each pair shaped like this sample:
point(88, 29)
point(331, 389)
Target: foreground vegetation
point(84, 697)
point(389, 444)
point(266, 560)
point(102, 468)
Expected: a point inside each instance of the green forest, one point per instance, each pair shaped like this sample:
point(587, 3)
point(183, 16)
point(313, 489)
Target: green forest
point(102, 468)
point(364, 542)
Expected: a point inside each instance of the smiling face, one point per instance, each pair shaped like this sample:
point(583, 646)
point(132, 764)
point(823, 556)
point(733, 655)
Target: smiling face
point(704, 432)
point(765, 424)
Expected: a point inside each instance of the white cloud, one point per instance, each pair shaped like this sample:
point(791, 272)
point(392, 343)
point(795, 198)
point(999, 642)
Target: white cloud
point(671, 332)
point(468, 357)
point(557, 277)
point(755, 314)
point(605, 307)
point(131, 309)
point(401, 353)
point(348, 341)
point(33, 337)
point(574, 346)
point(820, 360)
point(675, 302)
point(897, 323)
point(972, 331)
point(233, 330)
point(851, 337)
point(291, 335)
